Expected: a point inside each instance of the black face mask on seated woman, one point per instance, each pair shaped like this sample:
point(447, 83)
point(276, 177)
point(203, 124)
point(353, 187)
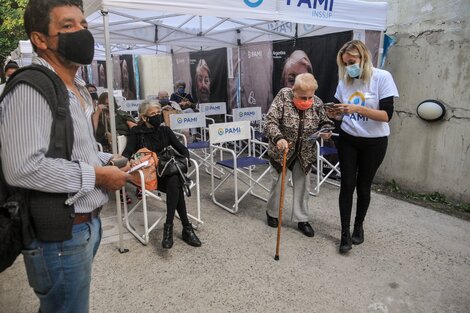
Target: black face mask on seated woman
point(155, 120)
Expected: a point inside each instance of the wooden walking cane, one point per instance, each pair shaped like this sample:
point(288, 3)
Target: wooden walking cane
point(281, 205)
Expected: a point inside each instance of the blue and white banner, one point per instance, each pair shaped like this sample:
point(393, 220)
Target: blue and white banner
point(213, 108)
point(187, 120)
point(223, 132)
point(247, 114)
point(335, 13)
point(350, 14)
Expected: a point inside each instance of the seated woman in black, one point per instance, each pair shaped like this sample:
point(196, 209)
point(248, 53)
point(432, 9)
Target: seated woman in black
point(149, 133)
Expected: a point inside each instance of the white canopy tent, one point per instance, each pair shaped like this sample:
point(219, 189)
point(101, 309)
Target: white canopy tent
point(164, 26)
point(161, 26)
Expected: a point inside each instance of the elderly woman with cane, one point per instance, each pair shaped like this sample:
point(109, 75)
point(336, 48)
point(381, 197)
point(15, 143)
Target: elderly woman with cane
point(295, 115)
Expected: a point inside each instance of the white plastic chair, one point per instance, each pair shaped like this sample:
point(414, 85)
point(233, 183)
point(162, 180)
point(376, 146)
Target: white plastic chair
point(144, 235)
point(238, 167)
point(254, 115)
point(121, 143)
point(198, 150)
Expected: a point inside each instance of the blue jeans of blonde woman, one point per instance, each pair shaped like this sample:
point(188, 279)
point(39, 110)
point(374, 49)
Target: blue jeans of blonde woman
point(300, 193)
point(60, 272)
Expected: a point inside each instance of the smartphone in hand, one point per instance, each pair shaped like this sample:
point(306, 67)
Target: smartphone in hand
point(326, 129)
point(322, 130)
point(329, 105)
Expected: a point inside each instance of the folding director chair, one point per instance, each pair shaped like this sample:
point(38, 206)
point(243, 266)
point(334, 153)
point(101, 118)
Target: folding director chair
point(240, 168)
point(323, 163)
point(254, 115)
point(132, 222)
point(131, 106)
point(198, 150)
point(214, 108)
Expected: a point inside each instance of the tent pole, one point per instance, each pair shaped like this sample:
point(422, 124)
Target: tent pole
point(239, 89)
point(110, 80)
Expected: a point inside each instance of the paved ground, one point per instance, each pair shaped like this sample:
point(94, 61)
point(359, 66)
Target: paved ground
point(413, 260)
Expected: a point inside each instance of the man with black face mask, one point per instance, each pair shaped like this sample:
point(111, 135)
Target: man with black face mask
point(66, 190)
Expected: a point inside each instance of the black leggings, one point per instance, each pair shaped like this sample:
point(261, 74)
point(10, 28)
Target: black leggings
point(173, 187)
point(359, 159)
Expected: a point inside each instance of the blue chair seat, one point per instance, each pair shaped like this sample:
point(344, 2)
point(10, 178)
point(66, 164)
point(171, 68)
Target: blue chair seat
point(328, 150)
point(198, 145)
point(243, 162)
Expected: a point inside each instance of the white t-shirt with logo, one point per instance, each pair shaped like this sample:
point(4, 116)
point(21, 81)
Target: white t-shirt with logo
point(381, 86)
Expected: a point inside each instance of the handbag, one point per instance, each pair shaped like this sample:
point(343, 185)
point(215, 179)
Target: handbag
point(171, 162)
point(150, 170)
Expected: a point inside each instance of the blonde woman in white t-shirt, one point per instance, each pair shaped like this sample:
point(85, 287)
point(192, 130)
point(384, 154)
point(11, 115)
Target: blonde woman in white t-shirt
point(365, 95)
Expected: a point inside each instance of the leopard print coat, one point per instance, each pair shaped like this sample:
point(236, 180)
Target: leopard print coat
point(285, 121)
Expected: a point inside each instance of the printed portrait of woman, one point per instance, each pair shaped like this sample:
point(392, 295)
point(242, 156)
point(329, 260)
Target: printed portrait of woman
point(297, 63)
point(126, 77)
point(102, 75)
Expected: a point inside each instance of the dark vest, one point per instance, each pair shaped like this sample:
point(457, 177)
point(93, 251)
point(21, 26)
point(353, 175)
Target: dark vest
point(51, 219)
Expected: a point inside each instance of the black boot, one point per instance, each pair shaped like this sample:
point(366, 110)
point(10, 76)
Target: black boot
point(190, 237)
point(358, 235)
point(167, 241)
point(346, 243)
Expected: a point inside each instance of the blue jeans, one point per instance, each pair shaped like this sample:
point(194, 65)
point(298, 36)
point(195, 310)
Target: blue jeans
point(60, 272)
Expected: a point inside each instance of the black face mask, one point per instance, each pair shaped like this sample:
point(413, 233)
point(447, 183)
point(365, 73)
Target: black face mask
point(164, 101)
point(94, 96)
point(78, 47)
point(155, 120)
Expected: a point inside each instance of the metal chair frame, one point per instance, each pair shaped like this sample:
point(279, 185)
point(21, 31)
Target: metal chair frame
point(145, 236)
point(238, 167)
point(322, 178)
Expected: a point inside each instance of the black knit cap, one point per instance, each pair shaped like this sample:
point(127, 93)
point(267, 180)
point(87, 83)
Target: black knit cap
point(11, 64)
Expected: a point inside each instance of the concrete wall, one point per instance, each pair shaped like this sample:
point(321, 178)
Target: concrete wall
point(430, 61)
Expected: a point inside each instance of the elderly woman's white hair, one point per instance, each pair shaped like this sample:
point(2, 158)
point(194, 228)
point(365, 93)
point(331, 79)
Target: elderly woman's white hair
point(145, 106)
point(305, 82)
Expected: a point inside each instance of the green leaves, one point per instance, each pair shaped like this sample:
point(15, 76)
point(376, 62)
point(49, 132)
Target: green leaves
point(435, 197)
point(11, 26)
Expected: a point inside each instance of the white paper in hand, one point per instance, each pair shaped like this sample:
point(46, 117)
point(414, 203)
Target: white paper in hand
point(138, 167)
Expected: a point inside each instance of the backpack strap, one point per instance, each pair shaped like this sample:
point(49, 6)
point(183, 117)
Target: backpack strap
point(52, 88)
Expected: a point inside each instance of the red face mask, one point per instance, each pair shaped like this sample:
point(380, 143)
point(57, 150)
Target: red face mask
point(303, 104)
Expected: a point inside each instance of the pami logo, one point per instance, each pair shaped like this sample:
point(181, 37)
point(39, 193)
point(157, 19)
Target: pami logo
point(229, 130)
point(245, 114)
point(181, 120)
point(253, 3)
point(312, 4)
point(255, 54)
point(213, 108)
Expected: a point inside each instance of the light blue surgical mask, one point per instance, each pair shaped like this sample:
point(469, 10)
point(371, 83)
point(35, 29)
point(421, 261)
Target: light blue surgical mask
point(353, 70)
